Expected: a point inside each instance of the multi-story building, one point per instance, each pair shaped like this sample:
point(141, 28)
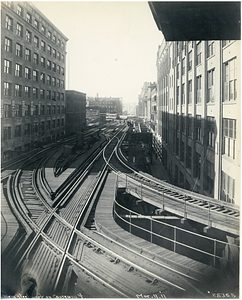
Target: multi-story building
point(199, 115)
point(110, 105)
point(75, 112)
point(33, 79)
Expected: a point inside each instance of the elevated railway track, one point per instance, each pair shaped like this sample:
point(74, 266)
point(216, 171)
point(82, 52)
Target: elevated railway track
point(56, 246)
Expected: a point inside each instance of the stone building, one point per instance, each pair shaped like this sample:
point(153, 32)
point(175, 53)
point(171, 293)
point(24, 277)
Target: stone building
point(33, 79)
point(199, 115)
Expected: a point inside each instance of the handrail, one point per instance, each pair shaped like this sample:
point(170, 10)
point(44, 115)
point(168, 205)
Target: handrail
point(175, 228)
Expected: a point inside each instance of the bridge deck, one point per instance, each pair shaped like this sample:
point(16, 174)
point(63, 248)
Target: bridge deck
point(196, 213)
point(107, 225)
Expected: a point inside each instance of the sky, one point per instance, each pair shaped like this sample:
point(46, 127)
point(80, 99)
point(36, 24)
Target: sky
point(111, 48)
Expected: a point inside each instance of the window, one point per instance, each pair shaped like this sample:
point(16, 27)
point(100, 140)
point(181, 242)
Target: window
point(19, 50)
point(62, 84)
point(29, 18)
point(53, 81)
point(48, 95)
point(9, 23)
point(62, 45)
point(190, 91)
point(54, 96)
point(8, 44)
point(7, 67)
point(48, 124)
point(209, 175)
point(183, 93)
point(62, 71)
point(19, 30)
point(199, 89)
point(54, 67)
point(177, 95)
point(36, 41)
point(62, 122)
point(49, 35)
point(27, 73)
point(48, 64)
point(7, 110)
point(62, 97)
point(42, 45)
point(199, 53)
point(42, 61)
point(183, 66)
point(210, 86)
point(58, 69)
point(18, 90)
point(58, 122)
point(35, 75)
point(35, 93)
point(62, 58)
point(27, 54)
point(36, 58)
point(229, 137)
point(7, 89)
point(198, 128)
point(53, 123)
point(28, 110)
point(27, 92)
point(43, 30)
point(226, 42)
point(197, 165)
point(49, 49)
point(230, 80)
point(28, 36)
point(58, 42)
point(189, 125)
point(177, 71)
point(58, 55)
point(20, 10)
point(189, 158)
point(7, 133)
point(42, 77)
point(18, 110)
point(210, 48)
point(58, 83)
point(42, 109)
point(189, 60)
point(9, 4)
point(58, 95)
point(27, 129)
point(183, 123)
point(54, 38)
point(42, 94)
point(63, 109)
point(228, 188)
point(36, 24)
point(48, 79)
point(211, 131)
point(18, 70)
point(54, 53)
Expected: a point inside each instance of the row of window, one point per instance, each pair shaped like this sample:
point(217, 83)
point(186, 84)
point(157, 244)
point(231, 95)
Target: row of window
point(35, 75)
point(21, 110)
point(35, 23)
point(29, 129)
point(36, 41)
point(8, 46)
point(36, 92)
point(229, 85)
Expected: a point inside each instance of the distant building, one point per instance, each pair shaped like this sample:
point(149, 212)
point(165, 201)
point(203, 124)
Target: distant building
point(75, 112)
point(108, 105)
point(33, 79)
point(199, 115)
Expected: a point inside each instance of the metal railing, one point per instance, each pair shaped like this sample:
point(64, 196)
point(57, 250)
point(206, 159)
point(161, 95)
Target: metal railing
point(172, 237)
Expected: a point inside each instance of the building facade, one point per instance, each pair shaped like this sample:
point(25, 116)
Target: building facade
point(33, 79)
point(75, 112)
point(199, 115)
point(109, 105)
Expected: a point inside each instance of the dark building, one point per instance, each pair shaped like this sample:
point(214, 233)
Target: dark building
point(33, 55)
point(75, 112)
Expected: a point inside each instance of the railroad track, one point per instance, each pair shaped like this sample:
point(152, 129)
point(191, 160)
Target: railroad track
point(60, 252)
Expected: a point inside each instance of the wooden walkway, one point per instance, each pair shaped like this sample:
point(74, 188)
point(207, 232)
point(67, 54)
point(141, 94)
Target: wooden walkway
point(106, 224)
